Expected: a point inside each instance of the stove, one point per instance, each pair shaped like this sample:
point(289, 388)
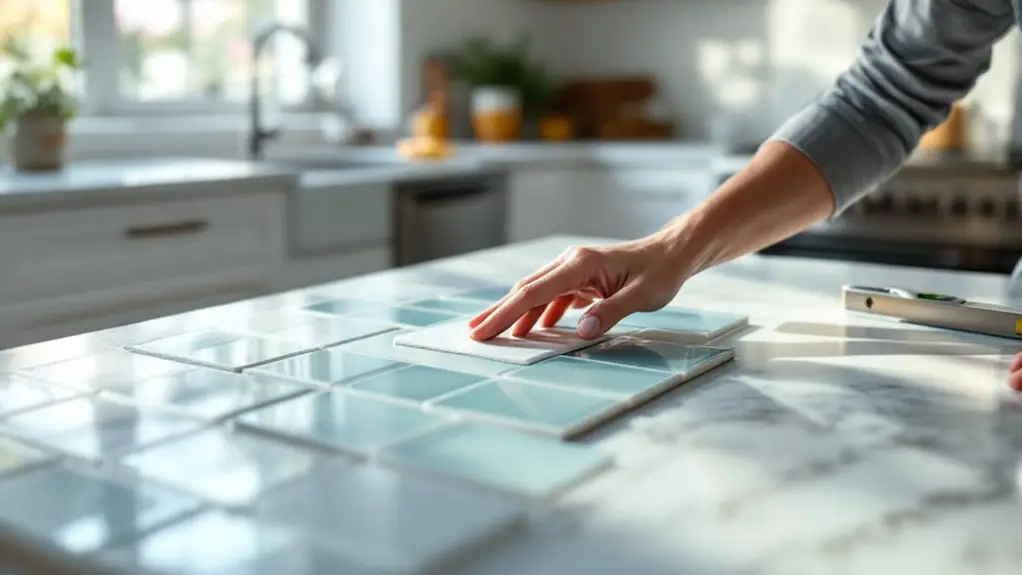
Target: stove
point(945, 211)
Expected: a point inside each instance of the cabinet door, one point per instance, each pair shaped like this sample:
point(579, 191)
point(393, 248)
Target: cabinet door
point(542, 203)
point(639, 201)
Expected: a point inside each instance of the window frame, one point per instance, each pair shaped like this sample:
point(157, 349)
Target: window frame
point(94, 33)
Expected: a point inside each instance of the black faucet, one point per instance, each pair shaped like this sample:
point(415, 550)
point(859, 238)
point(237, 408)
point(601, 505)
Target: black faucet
point(257, 133)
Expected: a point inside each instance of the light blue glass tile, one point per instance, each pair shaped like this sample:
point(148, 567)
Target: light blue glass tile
point(708, 324)
point(515, 462)
point(342, 421)
point(102, 370)
point(21, 393)
point(451, 306)
point(209, 349)
point(400, 522)
point(346, 306)
point(383, 346)
point(81, 512)
point(571, 318)
point(663, 356)
point(404, 316)
point(556, 411)
point(224, 467)
point(417, 383)
point(619, 381)
point(15, 456)
point(96, 429)
point(326, 367)
point(207, 394)
point(324, 332)
point(228, 544)
point(487, 294)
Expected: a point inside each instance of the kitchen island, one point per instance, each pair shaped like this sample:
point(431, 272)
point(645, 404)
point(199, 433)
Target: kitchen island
point(832, 444)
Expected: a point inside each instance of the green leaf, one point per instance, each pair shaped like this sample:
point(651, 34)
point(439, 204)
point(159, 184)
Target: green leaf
point(66, 57)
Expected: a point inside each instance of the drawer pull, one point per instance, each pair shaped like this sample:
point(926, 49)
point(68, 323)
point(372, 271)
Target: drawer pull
point(166, 230)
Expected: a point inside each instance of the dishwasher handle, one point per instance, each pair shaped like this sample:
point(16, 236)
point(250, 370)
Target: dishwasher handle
point(446, 196)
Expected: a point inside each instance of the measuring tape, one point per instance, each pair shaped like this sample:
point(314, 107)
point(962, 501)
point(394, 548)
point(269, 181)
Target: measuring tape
point(934, 309)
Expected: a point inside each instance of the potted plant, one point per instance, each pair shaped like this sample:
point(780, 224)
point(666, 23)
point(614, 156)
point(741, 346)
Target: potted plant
point(36, 102)
point(498, 77)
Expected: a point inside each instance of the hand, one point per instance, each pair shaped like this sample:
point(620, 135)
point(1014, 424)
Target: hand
point(1015, 373)
point(625, 278)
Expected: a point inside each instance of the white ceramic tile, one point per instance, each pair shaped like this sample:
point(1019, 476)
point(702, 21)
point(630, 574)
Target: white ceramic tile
point(325, 368)
point(82, 512)
point(21, 393)
point(221, 349)
point(537, 345)
point(555, 411)
point(399, 523)
point(383, 346)
point(16, 456)
point(230, 545)
point(337, 420)
point(205, 393)
point(225, 467)
point(324, 332)
point(540, 467)
point(96, 428)
point(106, 369)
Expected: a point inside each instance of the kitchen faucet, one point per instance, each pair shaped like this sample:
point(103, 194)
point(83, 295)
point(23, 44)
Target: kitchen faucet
point(257, 133)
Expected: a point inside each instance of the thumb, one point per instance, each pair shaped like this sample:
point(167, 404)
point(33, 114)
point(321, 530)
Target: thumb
point(605, 314)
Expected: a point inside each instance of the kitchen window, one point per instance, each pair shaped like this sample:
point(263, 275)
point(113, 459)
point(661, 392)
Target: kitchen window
point(146, 57)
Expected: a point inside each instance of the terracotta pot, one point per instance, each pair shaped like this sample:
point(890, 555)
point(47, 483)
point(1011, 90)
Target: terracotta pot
point(38, 143)
point(496, 114)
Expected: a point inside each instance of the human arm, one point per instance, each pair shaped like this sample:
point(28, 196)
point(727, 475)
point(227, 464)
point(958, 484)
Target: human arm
point(919, 58)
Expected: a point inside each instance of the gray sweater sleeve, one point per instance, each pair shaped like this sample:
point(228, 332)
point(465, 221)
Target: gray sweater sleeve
point(919, 58)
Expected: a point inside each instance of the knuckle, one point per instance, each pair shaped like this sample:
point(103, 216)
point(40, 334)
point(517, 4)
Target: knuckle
point(583, 254)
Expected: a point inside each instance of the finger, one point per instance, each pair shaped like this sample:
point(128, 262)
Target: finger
point(565, 279)
point(1016, 364)
point(555, 311)
point(525, 324)
point(581, 302)
point(607, 313)
point(1015, 381)
point(481, 316)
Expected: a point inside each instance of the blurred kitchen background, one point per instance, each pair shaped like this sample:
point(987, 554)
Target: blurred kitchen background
point(419, 129)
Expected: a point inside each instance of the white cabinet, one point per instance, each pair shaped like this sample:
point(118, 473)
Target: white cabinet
point(639, 201)
point(65, 271)
point(545, 201)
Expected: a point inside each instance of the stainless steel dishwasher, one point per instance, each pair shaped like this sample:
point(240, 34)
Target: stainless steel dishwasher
point(449, 216)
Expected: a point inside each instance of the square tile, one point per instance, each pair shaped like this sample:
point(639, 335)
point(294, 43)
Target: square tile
point(264, 322)
point(207, 394)
point(15, 456)
point(486, 294)
point(463, 307)
point(96, 429)
point(684, 325)
point(383, 346)
point(346, 306)
point(541, 467)
point(110, 368)
point(399, 523)
point(690, 360)
point(556, 411)
point(537, 345)
point(623, 382)
point(571, 318)
point(21, 393)
point(404, 316)
point(337, 420)
point(223, 467)
point(242, 546)
point(325, 368)
point(82, 512)
point(415, 384)
point(324, 332)
point(221, 350)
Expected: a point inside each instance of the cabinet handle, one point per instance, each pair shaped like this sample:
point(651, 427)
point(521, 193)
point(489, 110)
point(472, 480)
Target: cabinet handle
point(166, 230)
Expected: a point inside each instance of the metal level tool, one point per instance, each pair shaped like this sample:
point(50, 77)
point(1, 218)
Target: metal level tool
point(934, 309)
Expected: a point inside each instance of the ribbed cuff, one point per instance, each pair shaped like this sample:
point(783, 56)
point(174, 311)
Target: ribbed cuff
point(854, 157)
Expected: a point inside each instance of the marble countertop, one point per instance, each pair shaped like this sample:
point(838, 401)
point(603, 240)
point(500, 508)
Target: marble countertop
point(834, 443)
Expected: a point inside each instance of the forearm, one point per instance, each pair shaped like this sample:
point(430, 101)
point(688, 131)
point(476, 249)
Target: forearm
point(778, 194)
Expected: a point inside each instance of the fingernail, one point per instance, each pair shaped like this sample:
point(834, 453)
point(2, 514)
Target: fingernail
point(589, 327)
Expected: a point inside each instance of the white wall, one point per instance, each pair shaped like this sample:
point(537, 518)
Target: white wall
point(760, 60)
